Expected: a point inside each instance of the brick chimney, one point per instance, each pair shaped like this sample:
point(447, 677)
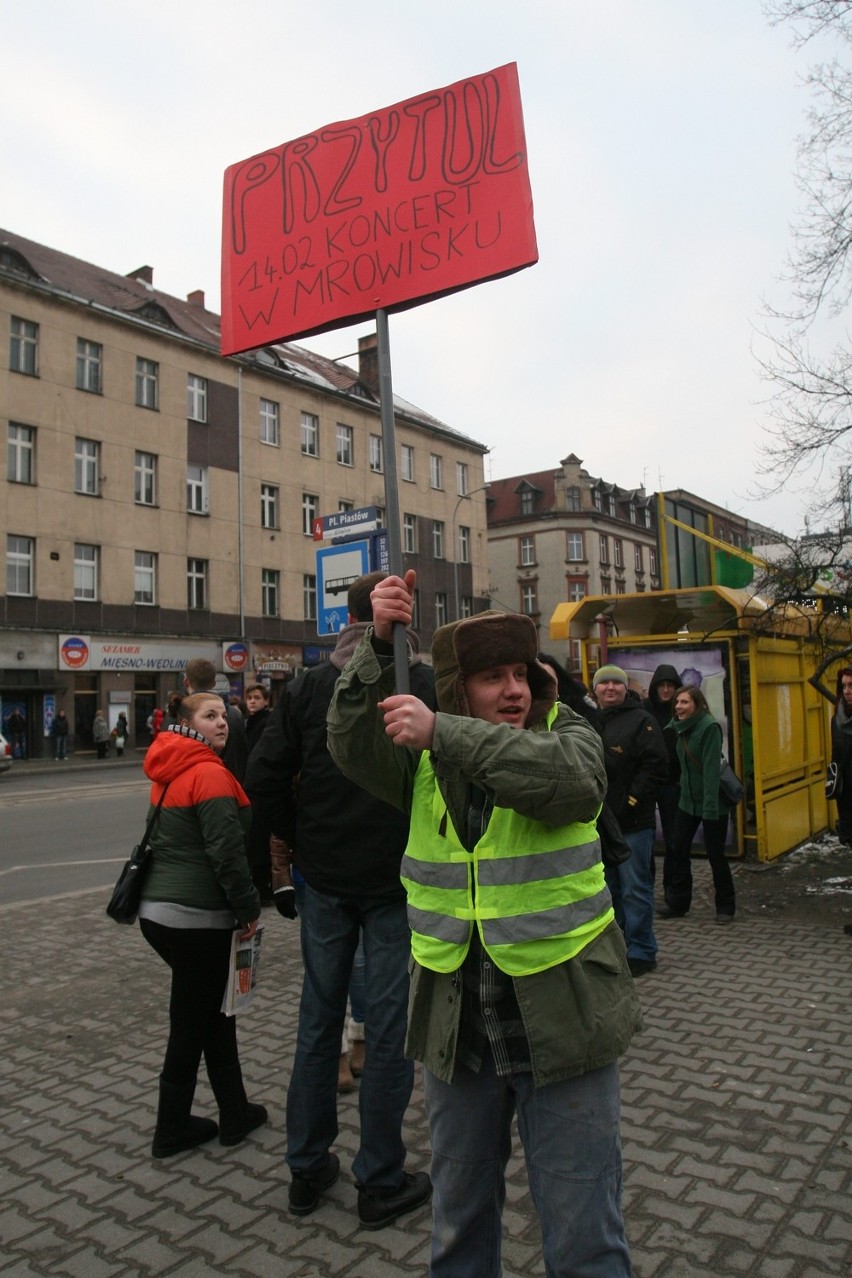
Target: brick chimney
point(144, 274)
point(196, 298)
point(368, 362)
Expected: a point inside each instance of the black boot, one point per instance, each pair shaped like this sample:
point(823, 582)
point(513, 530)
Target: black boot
point(177, 1128)
point(237, 1116)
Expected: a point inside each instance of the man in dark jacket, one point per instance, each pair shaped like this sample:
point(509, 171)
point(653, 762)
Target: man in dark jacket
point(348, 847)
point(662, 690)
point(200, 676)
point(636, 766)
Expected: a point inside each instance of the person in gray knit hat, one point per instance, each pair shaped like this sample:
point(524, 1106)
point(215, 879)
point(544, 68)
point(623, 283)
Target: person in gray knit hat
point(521, 997)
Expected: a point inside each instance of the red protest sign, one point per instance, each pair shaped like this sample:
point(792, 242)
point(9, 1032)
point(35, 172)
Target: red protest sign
point(408, 203)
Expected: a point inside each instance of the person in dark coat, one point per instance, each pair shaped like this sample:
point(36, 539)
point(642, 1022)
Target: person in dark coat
point(662, 691)
point(200, 676)
point(59, 732)
point(259, 711)
point(348, 847)
point(636, 766)
point(841, 752)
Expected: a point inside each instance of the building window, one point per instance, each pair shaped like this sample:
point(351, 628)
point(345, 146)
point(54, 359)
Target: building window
point(618, 552)
point(196, 398)
point(652, 560)
point(442, 614)
point(467, 605)
point(89, 362)
point(310, 435)
point(87, 457)
point(145, 479)
point(345, 446)
point(438, 538)
point(436, 471)
point(597, 501)
point(269, 511)
point(380, 517)
point(21, 454)
point(620, 588)
point(270, 423)
point(415, 610)
point(269, 585)
point(409, 534)
point(606, 585)
point(144, 577)
point(631, 512)
point(406, 458)
point(527, 552)
point(197, 497)
point(461, 479)
point(609, 504)
point(575, 651)
point(23, 347)
point(529, 601)
point(464, 544)
point(576, 591)
point(343, 506)
point(604, 550)
point(377, 457)
point(310, 512)
point(196, 584)
point(572, 498)
point(527, 501)
point(575, 547)
point(147, 384)
point(85, 572)
point(309, 597)
point(646, 516)
point(20, 565)
point(638, 561)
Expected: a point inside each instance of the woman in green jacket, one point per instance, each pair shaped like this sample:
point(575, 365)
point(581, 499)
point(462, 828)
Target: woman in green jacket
point(198, 890)
point(699, 750)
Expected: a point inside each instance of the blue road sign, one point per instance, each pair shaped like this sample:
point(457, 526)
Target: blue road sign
point(337, 568)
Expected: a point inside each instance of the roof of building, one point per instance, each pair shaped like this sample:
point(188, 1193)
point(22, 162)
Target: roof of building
point(133, 297)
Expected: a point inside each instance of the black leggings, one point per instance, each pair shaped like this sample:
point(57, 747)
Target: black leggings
point(199, 959)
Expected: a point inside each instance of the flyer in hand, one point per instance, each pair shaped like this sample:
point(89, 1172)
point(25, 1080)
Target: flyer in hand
point(242, 974)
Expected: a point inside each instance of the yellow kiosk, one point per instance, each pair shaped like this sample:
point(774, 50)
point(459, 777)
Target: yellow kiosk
point(753, 662)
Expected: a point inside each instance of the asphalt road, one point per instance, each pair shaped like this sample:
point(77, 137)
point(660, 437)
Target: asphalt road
point(61, 834)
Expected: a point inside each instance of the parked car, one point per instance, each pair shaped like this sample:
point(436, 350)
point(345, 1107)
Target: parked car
point(5, 754)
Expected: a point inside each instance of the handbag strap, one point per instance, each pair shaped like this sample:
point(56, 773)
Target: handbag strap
point(152, 820)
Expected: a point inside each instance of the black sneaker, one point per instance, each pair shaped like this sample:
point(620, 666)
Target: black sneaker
point(376, 1209)
point(639, 967)
point(305, 1190)
point(667, 912)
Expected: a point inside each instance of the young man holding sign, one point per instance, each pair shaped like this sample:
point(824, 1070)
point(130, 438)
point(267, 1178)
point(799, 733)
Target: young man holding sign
point(521, 996)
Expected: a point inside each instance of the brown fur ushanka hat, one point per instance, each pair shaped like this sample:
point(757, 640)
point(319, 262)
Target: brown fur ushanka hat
point(481, 642)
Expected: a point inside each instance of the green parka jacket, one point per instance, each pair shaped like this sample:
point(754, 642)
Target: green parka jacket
point(699, 749)
point(579, 1015)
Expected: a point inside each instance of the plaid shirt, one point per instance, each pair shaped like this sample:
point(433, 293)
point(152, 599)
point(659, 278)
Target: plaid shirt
point(490, 1015)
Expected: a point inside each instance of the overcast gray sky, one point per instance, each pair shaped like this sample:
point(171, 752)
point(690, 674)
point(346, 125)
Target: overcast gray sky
point(661, 138)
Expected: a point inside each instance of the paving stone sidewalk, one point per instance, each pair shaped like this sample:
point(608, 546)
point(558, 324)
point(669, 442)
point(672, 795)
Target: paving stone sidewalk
point(737, 1142)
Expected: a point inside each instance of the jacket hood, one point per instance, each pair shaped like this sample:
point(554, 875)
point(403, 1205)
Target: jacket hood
point(478, 643)
point(174, 751)
point(663, 674)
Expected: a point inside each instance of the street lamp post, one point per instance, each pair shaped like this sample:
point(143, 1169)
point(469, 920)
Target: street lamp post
point(483, 488)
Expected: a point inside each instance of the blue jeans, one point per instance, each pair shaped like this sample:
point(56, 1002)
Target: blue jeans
point(631, 886)
point(330, 927)
point(569, 1132)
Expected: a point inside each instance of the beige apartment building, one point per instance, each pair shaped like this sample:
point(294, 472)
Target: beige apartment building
point(563, 534)
point(161, 502)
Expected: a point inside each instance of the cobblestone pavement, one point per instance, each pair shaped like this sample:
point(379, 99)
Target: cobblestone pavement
point(737, 1143)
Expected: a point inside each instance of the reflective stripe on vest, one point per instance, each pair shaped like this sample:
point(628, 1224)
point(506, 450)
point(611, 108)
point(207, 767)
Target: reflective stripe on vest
point(536, 892)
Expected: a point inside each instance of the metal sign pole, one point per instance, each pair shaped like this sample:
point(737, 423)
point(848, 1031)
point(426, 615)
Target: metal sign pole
point(400, 647)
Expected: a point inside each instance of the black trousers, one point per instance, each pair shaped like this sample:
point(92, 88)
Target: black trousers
point(679, 890)
point(199, 960)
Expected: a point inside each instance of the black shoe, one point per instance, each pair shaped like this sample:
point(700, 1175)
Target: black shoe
point(639, 967)
point(305, 1189)
point(723, 917)
point(375, 1210)
point(667, 912)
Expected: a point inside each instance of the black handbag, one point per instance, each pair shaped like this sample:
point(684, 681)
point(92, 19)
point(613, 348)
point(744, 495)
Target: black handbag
point(126, 895)
point(832, 782)
point(730, 786)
